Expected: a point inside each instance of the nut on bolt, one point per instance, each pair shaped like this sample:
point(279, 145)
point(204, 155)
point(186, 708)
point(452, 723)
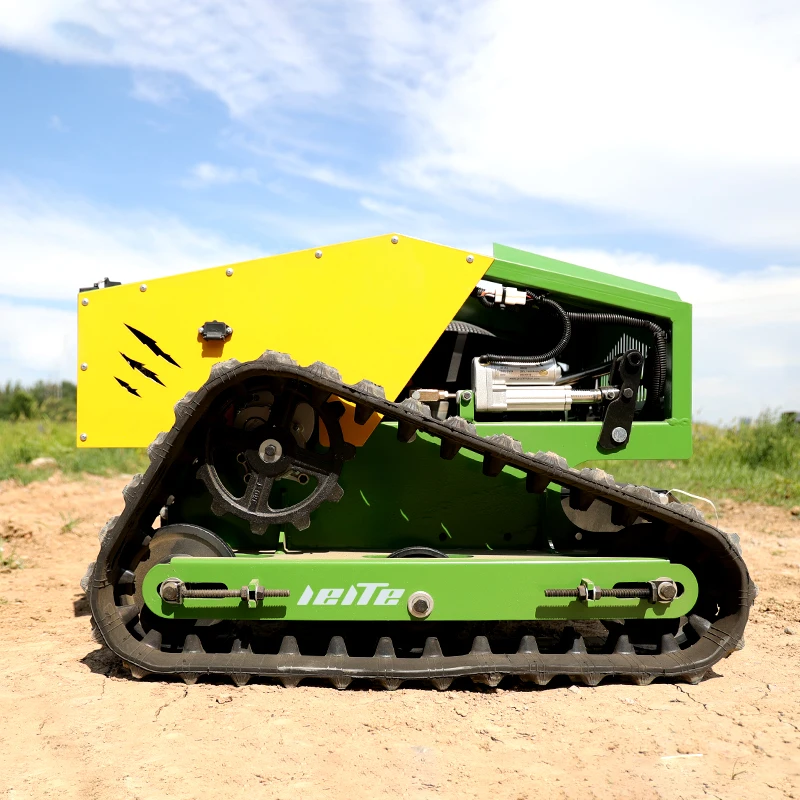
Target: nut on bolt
point(665, 590)
point(170, 590)
point(420, 605)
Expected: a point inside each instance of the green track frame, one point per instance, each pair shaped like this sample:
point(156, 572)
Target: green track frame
point(377, 588)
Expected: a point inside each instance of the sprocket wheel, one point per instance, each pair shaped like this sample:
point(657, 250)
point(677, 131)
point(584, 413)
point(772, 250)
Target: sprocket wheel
point(272, 450)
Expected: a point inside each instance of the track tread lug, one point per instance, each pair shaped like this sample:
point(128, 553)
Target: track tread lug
point(152, 639)
point(222, 367)
point(528, 645)
point(127, 613)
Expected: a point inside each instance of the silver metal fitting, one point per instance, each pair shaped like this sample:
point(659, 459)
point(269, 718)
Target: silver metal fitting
point(143, 287)
point(665, 590)
point(318, 254)
point(83, 437)
point(229, 272)
point(85, 301)
point(84, 367)
point(270, 451)
point(170, 590)
point(420, 605)
point(619, 435)
point(395, 239)
point(470, 259)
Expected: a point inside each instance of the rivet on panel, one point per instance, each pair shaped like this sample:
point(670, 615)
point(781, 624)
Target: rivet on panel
point(84, 367)
point(229, 272)
point(395, 239)
point(470, 259)
point(85, 301)
point(318, 254)
point(84, 437)
point(143, 287)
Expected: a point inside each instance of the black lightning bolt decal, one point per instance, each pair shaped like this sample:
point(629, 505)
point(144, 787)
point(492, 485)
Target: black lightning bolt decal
point(137, 365)
point(151, 343)
point(127, 386)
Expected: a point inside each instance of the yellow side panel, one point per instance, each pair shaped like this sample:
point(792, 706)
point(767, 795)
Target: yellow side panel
point(370, 308)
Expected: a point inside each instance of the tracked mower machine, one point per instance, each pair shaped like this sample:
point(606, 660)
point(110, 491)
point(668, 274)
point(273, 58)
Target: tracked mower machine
point(365, 464)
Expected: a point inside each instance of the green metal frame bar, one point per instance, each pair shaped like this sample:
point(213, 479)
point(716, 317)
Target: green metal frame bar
point(377, 588)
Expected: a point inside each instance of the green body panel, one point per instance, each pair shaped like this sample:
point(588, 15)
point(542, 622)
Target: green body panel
point(466, 588)
point(397, 495)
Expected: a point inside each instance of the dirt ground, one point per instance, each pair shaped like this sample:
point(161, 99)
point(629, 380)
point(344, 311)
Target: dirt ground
point(75, 725)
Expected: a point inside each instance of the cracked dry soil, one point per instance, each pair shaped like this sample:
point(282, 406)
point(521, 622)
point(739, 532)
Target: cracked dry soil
point(75, 725)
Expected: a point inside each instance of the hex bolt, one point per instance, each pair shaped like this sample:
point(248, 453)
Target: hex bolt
point(318, 254)
point(395, 239)
point(84, 367)
point(420, 605)
point(85, 301)
point(466, 397)
point(143, 287)
point(470, 259)
point(627, 392)
point(83, 437)
point(619, 435)
point(229, 272)
point(229, 330)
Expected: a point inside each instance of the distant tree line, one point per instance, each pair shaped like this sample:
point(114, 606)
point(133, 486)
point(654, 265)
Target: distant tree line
point(55, 401)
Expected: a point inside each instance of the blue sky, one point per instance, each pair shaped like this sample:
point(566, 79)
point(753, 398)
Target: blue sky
point(657, 141)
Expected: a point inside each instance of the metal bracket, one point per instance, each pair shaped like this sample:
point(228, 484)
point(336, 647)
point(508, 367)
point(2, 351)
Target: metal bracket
point(626, 375)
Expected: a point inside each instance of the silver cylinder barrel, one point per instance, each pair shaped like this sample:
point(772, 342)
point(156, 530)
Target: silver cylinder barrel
point(527, 387)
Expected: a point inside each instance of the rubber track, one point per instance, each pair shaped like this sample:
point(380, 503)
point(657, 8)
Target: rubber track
point(144, 496)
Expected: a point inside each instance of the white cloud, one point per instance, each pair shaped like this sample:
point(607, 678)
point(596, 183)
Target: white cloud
point(51, 245)
point(205, 174)
point(247, 52)
point(745, 328)
point(677, 115)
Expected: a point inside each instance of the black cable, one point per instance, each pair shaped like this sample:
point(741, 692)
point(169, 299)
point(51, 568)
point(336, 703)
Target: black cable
point(566, 333)
point(659, 376)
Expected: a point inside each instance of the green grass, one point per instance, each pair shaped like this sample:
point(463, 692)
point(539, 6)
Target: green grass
point(758, 462)
point(23, 441)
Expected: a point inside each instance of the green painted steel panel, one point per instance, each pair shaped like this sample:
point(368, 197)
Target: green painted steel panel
point(370, 588)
